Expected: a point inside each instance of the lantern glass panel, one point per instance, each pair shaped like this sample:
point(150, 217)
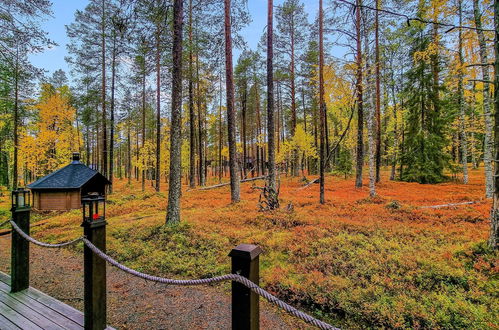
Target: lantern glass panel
point(20, 199)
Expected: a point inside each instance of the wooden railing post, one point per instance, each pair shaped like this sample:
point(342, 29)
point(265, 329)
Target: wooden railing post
point(20, 250)
point(95, 276)
point(245, 303)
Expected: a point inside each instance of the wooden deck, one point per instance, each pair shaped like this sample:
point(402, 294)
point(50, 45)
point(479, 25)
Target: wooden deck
point(32, 309)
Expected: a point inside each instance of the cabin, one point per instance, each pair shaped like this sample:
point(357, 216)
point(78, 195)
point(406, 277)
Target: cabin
point(64, 188)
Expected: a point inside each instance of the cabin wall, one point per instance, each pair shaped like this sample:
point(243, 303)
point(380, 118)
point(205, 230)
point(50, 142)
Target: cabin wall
point(57, 200)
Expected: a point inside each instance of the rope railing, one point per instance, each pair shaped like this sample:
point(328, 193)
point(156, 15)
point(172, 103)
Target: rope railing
point(34, 241)
point(227, 277)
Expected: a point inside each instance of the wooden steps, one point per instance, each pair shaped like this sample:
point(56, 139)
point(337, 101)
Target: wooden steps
point(32, 309)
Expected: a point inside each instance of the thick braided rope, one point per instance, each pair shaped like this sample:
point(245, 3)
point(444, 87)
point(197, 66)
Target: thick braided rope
point(34, 241)
point(228, 277)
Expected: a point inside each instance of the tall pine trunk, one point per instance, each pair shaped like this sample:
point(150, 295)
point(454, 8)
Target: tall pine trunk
point(487, 102)
point(460, 92)
point(378, 94)
point(231, 114)
point(175, 184)
point(360, 110)
point(270, 98)
point(201, 169)
point(16, 121)
point(322, 108)
point(192, 119)
point(143, 125)
point(158, 106)
point(494, 223)
point(111, 124)
point(103, 92)
point(294, 165)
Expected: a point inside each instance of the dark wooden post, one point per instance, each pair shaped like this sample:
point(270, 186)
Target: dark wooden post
point(20, 250)
point(245, 303)
point(95, 273)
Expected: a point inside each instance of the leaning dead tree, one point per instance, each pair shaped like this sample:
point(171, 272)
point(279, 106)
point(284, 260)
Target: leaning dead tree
point(269, 197)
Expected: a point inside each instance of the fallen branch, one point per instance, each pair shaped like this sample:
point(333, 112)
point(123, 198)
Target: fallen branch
point(309, 184)
point(228, 183)
point(448, 205)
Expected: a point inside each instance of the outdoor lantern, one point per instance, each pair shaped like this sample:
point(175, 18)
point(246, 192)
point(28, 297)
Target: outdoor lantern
point(94, 208)
point(21, 198)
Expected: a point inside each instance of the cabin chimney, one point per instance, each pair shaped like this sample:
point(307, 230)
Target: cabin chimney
point(76, 157)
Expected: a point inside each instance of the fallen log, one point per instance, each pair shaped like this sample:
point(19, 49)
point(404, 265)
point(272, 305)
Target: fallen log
point(228, 183)
point(309, 184)
point(448, 205)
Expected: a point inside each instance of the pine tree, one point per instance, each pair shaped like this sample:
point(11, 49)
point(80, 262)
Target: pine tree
point(423, 159)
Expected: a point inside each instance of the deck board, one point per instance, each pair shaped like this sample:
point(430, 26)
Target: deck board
point(32, 309)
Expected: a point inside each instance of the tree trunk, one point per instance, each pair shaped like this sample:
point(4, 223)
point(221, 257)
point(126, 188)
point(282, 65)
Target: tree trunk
point(220, 135)
point(143, 125)
point(129, 153)
point(395, 131)
point(360, 111)
point(192, 119)
point(270, 98)
point(111, 128)
point(231, 114)
point(103, 95)
point(158, 106)
point(175, 184)
point(378, 95)
point(460, 92)
point(201, 169)
point(243, 129)
point(322, 106)
point(295, 161)
point(16, 121)
point(494, 223)
point(487, 103)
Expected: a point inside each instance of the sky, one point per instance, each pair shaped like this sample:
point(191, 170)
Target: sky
point(63, 14)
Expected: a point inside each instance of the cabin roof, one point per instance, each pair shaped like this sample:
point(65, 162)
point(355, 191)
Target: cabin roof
point(72, 176)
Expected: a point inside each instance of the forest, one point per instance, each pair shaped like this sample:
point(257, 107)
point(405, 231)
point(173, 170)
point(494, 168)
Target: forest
point(355, 141)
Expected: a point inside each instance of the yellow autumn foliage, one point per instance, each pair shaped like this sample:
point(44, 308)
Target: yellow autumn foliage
point(48, 141)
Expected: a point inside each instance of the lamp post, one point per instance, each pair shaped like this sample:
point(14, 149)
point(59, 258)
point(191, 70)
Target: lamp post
point(94, 229)
point(21, 208)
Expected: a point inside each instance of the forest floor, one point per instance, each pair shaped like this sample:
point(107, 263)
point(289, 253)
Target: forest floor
point(389, 261)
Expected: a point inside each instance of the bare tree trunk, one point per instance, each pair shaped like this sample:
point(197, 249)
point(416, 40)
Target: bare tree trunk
point(372, 146)
point(175, 184)
point(192, 119)
point(494, 223)
point(129, 154)
point(487, 103)
point(378, 94)
point(322, 107)
point(201, 169)
point(243, 129)
point(360, 111)
point(395, 131)
point(270, 98)
point(462, 113)
point(220, 135)
point(111, 128)
point(103, 95)
point(16, 121)
point(231, 114)
point(158, 106)
point(143, 125)
point(294, 165)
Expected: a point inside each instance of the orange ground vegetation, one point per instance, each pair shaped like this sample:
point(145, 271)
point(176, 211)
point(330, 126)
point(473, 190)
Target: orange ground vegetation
point(355, 261)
